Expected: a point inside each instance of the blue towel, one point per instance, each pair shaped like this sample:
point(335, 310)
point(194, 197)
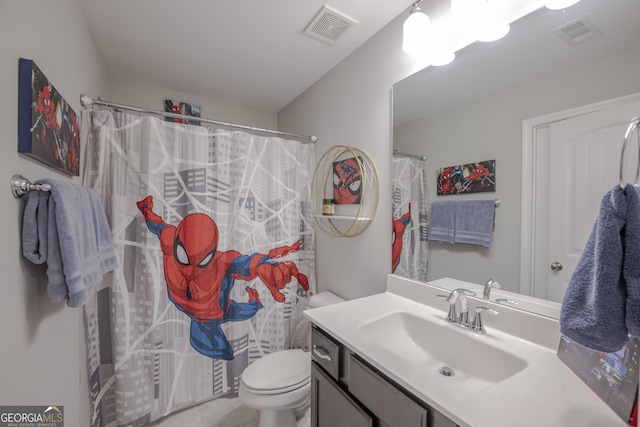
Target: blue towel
point(631, 267)
point(443, 216)
point(67, 229)
point(475, 220)
point(593, 309)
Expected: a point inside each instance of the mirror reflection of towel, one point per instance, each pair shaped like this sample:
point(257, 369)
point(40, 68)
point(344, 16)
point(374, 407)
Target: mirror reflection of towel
point(471, 222)
point(443, 215)
point(475, 220)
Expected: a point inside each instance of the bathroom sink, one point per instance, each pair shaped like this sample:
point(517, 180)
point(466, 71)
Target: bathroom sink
point(433, 344)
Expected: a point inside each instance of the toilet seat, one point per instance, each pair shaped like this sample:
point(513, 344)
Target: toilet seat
point(278, 372)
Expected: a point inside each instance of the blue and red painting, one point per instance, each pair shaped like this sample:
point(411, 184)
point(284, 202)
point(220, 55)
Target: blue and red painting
point(477, 177)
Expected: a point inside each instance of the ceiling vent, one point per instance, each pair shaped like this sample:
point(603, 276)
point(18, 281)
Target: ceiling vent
point(329, 25)
point(578, 31)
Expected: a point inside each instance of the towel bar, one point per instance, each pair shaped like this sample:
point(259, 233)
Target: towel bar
point(21, 186)
point(633, 126)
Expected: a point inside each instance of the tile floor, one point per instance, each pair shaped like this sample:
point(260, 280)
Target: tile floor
point(225, 411)
point(222, 412)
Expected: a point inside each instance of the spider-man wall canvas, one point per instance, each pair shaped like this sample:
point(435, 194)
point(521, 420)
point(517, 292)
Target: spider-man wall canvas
point(199, 277)
point(347, 182)
point(470, 178)
point(48, 128)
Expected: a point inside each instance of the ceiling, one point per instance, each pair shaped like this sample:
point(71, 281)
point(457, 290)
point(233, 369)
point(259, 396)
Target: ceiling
point(245, 53)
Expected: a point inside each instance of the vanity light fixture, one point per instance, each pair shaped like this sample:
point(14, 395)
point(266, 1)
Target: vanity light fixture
point(560, 4)
point(415, 30)
point(441, 59)
point(494, 32)
point(494, 25)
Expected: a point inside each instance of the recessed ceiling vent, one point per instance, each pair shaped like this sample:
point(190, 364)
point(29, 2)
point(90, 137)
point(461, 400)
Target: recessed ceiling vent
point(329, 25)
point(578, 31)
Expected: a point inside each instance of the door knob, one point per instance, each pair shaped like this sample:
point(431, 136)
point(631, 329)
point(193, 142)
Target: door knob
point(556, 266)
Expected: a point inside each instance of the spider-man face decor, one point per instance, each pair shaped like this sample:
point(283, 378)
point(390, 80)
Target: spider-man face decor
point(347, 182)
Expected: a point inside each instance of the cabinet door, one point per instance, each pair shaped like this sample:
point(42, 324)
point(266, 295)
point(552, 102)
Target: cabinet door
point(331, 406)
point(392, 406)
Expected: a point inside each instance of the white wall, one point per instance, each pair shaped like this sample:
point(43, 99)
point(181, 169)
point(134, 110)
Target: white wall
point(150, 97)
point(493, 130)
point(352, 105)
point(42, 359)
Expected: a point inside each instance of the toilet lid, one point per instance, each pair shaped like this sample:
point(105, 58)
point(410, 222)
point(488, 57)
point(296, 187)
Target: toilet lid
point(287, 369)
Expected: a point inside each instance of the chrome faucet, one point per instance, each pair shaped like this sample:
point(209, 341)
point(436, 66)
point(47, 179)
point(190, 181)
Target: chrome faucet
point(453, 316)
point(491, 283)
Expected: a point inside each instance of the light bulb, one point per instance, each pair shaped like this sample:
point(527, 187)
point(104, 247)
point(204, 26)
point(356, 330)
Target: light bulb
point(415, 31)
point(493, 24)
point(560, 4)
point(441, 59)
point(495, 32)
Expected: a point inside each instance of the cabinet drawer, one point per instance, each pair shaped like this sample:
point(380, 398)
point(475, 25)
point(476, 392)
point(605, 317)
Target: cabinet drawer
point(382, 398)
point(331, 406)
point(325, 352)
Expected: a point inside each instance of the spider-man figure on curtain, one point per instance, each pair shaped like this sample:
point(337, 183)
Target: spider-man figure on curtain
point(200, 278)
point(399, 226)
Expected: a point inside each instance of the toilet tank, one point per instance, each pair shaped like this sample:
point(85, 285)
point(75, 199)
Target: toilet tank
point(301, 334)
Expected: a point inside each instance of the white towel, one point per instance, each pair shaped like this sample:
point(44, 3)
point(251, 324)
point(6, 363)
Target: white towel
point(67, 229)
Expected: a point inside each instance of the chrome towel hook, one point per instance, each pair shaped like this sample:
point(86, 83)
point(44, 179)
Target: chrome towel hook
point(634, 125)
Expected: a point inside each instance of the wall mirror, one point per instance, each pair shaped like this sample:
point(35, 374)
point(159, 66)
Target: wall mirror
point(475, 108)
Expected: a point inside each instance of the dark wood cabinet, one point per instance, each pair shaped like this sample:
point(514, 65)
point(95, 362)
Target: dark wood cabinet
point(348, 392)
point(333, 407)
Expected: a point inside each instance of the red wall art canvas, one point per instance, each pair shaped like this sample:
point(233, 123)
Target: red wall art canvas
point(347, 181)
point(184, 109)
point(469, 178)
point(47, 125)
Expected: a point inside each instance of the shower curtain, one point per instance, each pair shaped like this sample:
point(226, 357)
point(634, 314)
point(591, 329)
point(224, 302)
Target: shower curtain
point(409, 217)
point(215, 243)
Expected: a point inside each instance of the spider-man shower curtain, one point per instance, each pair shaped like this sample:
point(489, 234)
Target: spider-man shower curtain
point(214, 237)
point(410, 223)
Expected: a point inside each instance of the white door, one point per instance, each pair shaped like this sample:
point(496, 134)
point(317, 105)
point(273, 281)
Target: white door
point(584, 163)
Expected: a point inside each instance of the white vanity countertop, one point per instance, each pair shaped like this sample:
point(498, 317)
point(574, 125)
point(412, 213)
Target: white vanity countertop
point(544, 394)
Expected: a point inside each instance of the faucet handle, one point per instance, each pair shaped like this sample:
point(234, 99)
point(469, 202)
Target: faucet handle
point(452, 316)
point(478, 325)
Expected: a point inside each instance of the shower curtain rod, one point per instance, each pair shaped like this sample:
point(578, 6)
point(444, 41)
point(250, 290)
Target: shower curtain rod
point(85, 101)
point(415, 156)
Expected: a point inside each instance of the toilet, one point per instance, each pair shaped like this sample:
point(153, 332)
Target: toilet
point(280, 383)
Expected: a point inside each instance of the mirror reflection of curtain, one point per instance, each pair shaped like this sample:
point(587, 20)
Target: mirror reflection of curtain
point(410, 220)
point(210, 211)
